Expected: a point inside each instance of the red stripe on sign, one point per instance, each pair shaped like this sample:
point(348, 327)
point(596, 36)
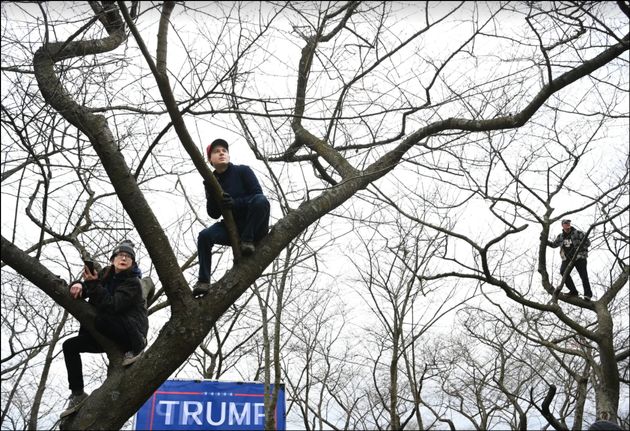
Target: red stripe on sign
point(152, 412)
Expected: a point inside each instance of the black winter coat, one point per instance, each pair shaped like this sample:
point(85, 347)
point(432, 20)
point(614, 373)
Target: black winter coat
point(119, 295)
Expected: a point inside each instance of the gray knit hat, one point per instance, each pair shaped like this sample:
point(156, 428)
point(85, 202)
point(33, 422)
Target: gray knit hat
point(125, 246)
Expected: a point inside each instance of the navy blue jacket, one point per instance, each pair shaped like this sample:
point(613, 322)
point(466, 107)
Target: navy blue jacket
point(240, 182)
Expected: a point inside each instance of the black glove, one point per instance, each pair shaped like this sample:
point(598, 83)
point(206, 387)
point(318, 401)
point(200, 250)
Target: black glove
point(226, 201)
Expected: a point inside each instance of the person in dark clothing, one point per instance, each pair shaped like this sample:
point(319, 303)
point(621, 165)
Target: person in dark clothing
point(604, 425)
point(122, 316)
point(243, 195)
point(574, 243)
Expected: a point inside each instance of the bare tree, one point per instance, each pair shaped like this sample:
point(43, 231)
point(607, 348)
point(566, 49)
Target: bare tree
point(31, 331)
point(405, 311)
point(377, 85)
point(522, 190)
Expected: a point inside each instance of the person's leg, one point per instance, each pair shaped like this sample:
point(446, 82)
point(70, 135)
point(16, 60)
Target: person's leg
point(256, 223)
point(215, 234)
point(568, 280)
point(123, 332)
point(580, 265)
point(113, 327)
point(72, 349)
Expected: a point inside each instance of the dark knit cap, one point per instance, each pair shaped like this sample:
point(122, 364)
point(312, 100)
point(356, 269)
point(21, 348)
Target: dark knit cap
point(566, 220)
point(125, 246)
point(604, 425)
point(214, 144)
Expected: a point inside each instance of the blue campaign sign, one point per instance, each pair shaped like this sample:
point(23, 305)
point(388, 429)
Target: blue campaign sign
point(208, 405)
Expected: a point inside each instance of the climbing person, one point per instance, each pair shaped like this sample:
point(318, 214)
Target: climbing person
point(243, 195)
point(121, 315)
point(573, 243)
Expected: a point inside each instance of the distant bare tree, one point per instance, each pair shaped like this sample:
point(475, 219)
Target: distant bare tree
point(521, 185)
point(405, 310)
point(101, 120)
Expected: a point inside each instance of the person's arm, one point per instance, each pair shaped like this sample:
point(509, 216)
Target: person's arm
point(126, 295)
point(250, 184)
point(556, 242)
point(583, 240)
point(212, 207)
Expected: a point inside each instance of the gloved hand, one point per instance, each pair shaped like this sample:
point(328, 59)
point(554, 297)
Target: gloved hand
point(226, 201)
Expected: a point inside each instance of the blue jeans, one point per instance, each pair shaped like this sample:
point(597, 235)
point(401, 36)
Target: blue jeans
point(252, 223)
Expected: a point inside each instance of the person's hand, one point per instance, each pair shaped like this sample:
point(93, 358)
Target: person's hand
point(226, 201)
point(89, 276)
point(75, 290)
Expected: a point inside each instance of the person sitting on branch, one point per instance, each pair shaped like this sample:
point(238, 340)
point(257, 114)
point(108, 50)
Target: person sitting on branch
point(121, 315)
point(243, 195)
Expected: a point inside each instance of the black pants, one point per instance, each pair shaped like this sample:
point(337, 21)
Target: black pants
point(580, 265)
point(111, 327)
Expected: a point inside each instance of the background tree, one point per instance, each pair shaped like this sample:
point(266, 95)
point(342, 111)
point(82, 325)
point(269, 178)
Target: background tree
point(403, 311)
point(98, 127)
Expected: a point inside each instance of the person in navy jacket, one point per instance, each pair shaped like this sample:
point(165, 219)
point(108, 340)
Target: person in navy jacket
point(243, 195)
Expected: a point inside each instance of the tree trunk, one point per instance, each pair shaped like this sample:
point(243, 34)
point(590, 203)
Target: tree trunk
point(607, 388)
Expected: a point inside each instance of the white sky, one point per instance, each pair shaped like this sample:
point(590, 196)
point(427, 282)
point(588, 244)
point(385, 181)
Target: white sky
point(608, 155)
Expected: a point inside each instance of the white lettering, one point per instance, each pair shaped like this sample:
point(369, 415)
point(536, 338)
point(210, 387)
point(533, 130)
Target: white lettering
point(168, 420)
point(209, 414)
point(194, 414)
point(244, 416)
point(259, 413)
point(191, 413)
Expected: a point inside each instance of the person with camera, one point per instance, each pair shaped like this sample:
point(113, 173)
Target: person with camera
point(573, 245)
point(121, 315)
point(243, 195)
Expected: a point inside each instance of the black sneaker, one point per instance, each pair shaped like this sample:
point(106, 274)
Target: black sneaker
point(247, 248)
point(201, 288)
point(588, 297)
point(74, 404)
